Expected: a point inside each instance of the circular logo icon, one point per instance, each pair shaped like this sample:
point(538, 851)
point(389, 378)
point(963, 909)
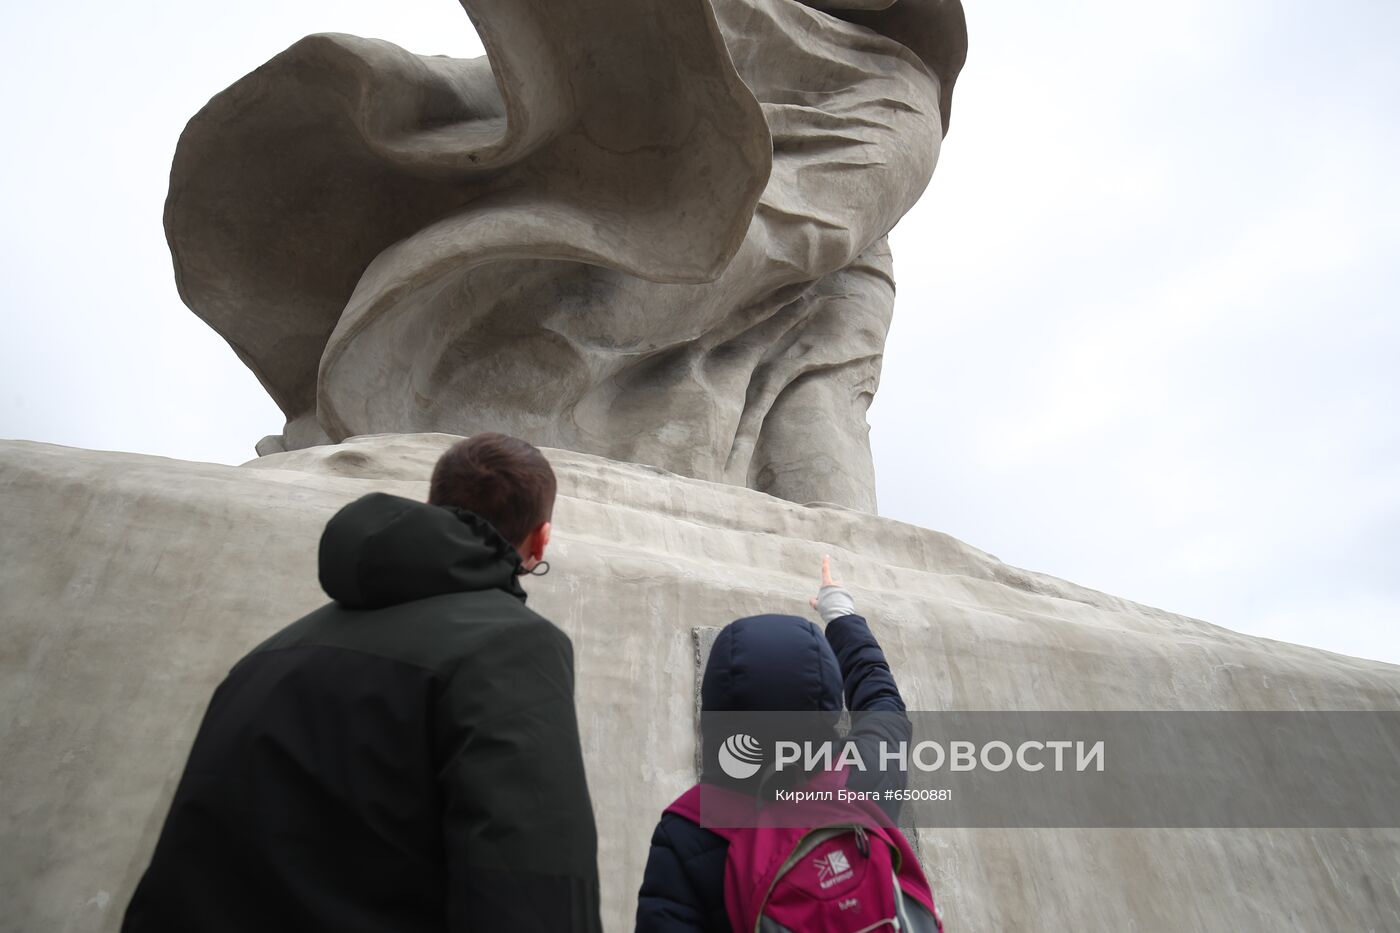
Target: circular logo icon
point(740, 756)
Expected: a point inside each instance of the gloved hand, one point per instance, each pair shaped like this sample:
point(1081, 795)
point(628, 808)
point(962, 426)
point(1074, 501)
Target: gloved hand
point(833, 600)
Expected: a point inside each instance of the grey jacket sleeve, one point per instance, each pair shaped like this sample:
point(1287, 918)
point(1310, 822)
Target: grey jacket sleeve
point(834, 602)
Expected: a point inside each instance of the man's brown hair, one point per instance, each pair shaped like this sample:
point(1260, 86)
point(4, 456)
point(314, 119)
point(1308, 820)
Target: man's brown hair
point(503, 479)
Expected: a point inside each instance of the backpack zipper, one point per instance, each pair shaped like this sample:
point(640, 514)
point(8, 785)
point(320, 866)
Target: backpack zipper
point(798, 851)
point(782, 869)
point(801, 849)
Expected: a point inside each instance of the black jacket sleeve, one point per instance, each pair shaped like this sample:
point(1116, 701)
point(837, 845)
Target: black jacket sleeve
point(877, 710)
point(518, 831)
point(668, 902)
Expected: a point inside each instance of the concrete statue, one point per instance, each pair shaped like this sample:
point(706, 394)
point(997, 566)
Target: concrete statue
point(658, 238)
point(650, 236)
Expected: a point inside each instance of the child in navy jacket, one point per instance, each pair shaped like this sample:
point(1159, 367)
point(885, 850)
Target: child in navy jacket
point(768, 662)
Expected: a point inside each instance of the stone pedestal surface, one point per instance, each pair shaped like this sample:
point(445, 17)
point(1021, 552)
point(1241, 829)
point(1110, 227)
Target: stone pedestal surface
point(130, 583)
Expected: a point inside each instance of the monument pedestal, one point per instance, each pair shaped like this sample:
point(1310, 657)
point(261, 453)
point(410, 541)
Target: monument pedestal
point(131, 583)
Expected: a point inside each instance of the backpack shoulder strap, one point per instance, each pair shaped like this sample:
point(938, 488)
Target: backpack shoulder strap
point(687, 805)
point(910, 875)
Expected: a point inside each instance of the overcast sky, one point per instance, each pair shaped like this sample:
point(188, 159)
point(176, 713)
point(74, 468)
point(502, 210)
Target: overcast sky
point(1146, 333)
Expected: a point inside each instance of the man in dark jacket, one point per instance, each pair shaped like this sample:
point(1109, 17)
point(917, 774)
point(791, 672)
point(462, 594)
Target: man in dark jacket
point(770, 662)
point(405, 758)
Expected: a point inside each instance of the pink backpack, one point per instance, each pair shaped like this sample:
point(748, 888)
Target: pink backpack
point(850, 873)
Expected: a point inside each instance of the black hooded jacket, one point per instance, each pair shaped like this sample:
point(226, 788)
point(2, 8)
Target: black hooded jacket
point(771, 662)
point(405, 758)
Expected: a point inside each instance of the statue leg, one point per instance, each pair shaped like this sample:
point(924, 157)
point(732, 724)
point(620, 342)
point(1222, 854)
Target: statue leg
point(814, 442)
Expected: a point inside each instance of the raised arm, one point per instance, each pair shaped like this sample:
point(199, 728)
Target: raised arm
point(869, 685)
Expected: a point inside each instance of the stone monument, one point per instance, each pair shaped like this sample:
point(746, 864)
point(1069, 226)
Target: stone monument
point(651, 237)
point(658, 238)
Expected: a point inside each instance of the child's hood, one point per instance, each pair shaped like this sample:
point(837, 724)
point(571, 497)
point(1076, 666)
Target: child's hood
point(771, 662)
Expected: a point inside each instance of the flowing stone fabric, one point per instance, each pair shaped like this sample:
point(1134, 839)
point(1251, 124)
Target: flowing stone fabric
point(653, 232)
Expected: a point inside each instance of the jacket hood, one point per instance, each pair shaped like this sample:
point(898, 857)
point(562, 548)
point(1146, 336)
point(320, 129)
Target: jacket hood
point(771, 662)
point(768, 663)
point(381, 550)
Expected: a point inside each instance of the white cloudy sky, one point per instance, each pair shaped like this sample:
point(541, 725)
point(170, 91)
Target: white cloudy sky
point(1146, 330)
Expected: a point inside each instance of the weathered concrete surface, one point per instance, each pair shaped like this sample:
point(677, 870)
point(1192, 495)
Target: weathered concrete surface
point(131, 583)
point(656, 238)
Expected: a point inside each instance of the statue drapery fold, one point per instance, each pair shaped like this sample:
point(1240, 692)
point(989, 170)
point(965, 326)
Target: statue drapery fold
point(650, 233)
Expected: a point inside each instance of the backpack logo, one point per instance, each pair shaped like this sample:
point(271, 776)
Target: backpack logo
point(832, 868)
point(740, 756)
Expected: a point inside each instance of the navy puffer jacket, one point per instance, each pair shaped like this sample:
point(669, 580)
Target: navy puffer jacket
point(769, 662)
